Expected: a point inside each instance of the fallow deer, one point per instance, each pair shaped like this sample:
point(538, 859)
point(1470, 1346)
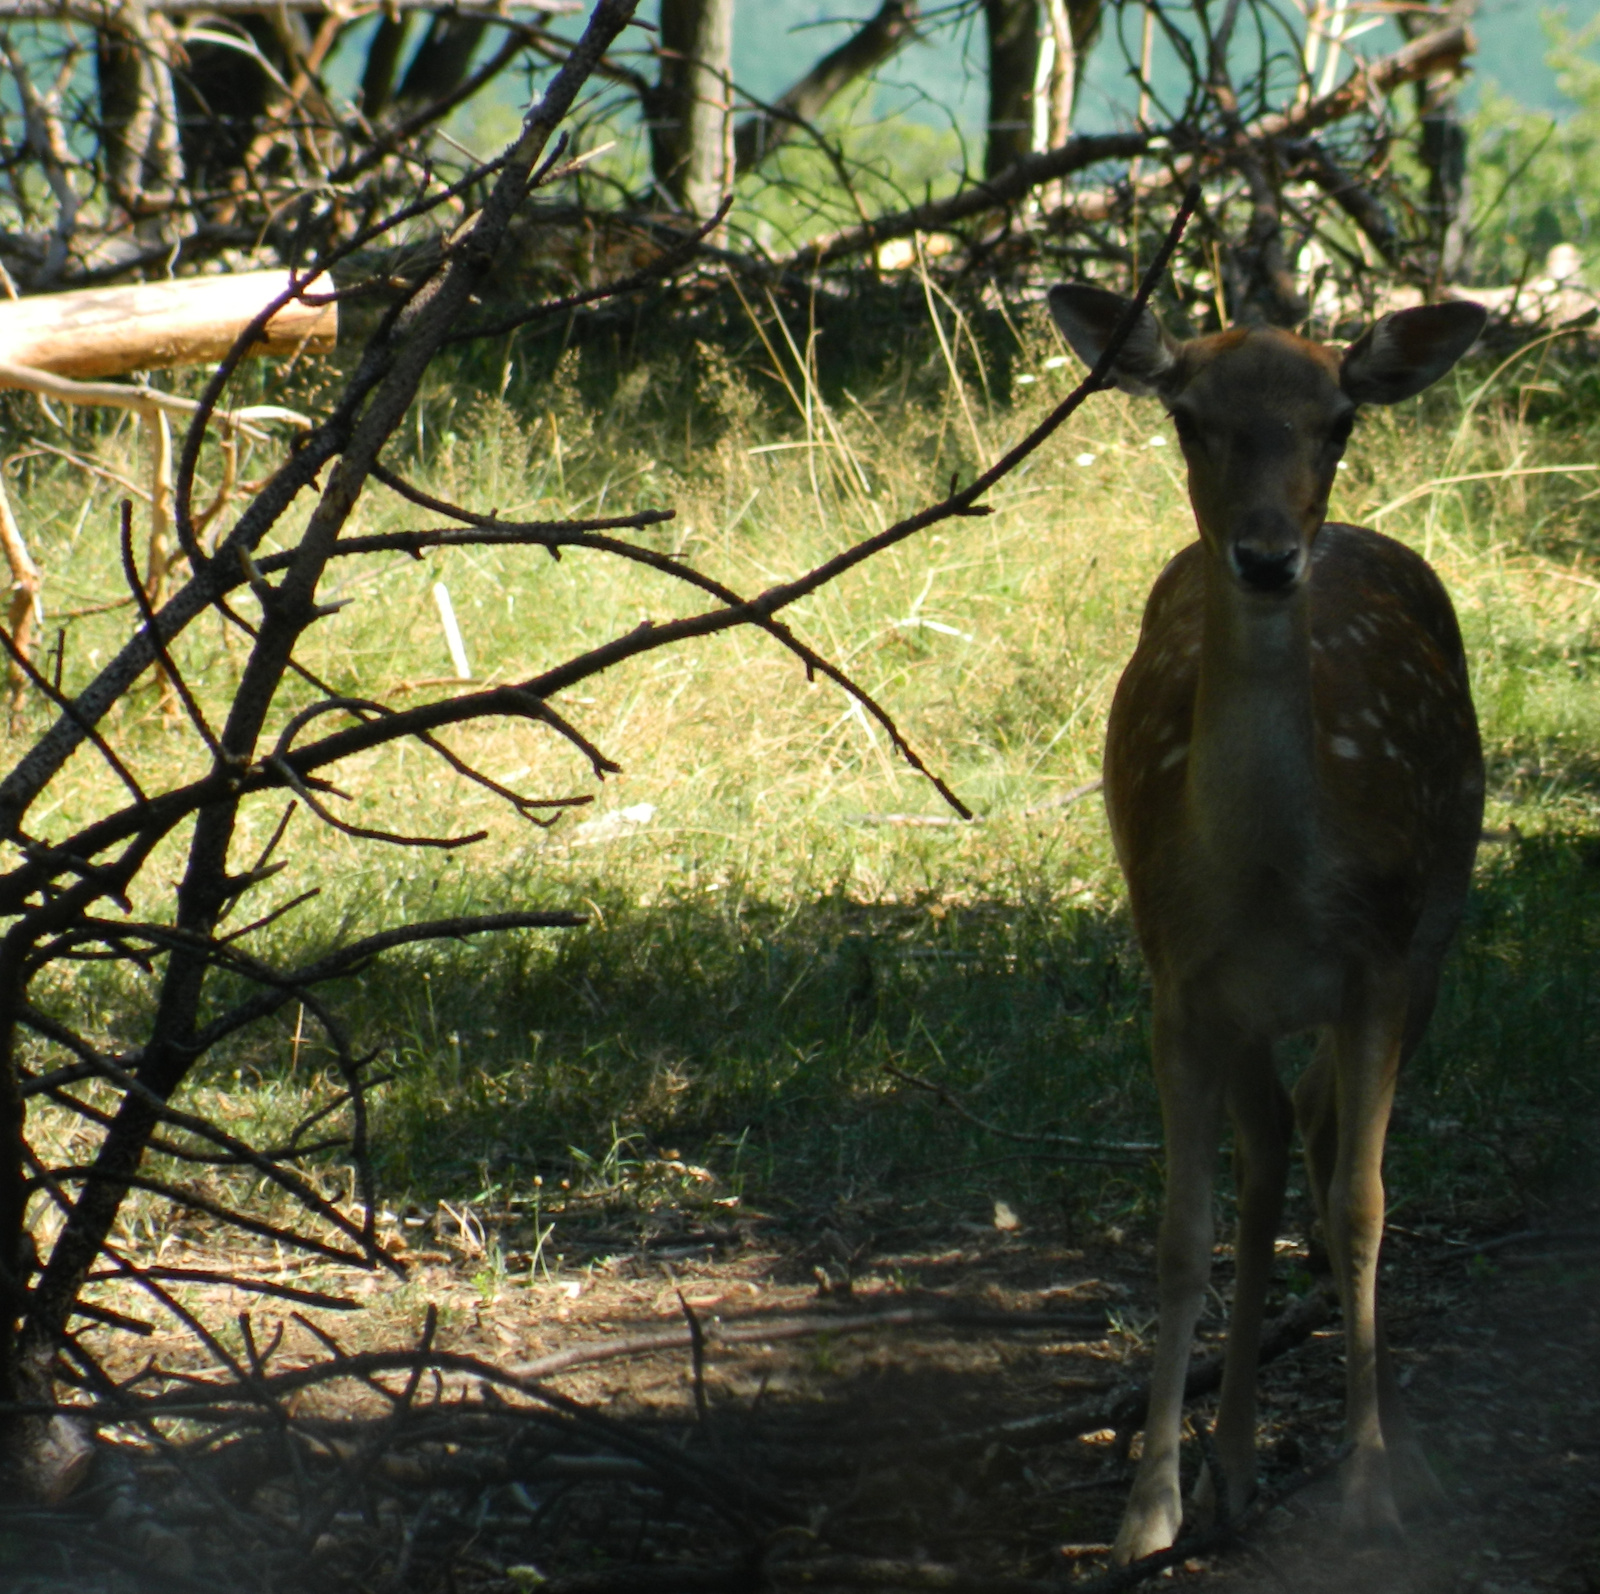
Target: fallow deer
point(1295, 789)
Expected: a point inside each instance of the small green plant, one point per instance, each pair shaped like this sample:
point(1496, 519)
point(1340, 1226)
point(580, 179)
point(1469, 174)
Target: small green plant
point(824, 1356)
point(1300, 1282)
point(490, 1279)
point(538, 1265)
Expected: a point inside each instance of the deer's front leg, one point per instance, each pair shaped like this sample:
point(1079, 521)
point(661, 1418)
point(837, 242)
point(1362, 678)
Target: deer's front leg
point(1366, 1053)
point(1263, 1126)
point(1189, 1075)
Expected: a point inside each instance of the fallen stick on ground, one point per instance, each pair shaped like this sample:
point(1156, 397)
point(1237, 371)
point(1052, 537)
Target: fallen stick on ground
point(1126, 1408)
point(146, 400)
point(1105, 1150)
point(1503, 1242)
point(918, 821)
point(839, 1572)
point(759, 1333)
point(738, 1577)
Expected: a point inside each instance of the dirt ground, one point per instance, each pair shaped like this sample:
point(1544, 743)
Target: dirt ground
point(872, 1392)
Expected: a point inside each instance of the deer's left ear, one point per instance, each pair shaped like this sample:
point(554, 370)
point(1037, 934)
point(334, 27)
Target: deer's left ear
point(1409, 350)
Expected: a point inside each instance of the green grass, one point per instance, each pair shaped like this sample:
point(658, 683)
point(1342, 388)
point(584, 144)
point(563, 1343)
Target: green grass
point(758, 959)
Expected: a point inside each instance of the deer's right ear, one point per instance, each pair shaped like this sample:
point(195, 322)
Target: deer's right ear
point(1088, 316)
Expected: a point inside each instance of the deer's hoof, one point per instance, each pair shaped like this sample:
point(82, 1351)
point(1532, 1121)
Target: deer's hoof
point(1416, 1486)
point(1240, 1475)
point(1371, 1517)
point(1150, 1524)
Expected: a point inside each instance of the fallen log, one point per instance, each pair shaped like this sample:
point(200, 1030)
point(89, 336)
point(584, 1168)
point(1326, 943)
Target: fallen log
point(110, 331)
point(49, 339)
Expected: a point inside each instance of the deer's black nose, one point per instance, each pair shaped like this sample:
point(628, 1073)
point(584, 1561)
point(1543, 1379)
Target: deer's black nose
point(1266, 571)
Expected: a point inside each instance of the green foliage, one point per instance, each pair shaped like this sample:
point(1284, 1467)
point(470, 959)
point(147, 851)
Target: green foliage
point(893, 161)
point(1535, 177)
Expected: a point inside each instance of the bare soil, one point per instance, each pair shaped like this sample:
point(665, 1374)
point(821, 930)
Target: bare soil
point(846, 1426)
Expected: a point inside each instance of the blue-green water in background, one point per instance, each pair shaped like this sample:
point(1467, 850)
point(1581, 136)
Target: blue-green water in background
point(942, 79)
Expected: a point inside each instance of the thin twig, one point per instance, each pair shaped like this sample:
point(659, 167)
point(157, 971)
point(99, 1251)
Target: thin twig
point(732, 1330)
point(1138, 1150)
point(147, 613)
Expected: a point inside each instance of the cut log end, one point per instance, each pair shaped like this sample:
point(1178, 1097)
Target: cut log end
point(59, 1459)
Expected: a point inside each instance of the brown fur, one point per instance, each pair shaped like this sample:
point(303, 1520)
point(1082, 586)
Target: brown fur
point(1295, 789)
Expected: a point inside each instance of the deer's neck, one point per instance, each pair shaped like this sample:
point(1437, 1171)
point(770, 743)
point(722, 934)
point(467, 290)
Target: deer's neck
point(1252, 777)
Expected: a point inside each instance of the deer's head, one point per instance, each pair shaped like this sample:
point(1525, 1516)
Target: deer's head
point(1263, 415)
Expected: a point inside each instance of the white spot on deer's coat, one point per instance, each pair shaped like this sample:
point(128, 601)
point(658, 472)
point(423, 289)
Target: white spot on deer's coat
point(1176, 756)
point(1343, 747)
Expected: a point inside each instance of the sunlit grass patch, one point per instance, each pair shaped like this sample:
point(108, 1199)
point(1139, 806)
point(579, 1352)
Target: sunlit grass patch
point(771, 949)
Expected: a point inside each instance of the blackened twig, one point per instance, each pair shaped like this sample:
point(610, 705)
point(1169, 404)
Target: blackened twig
point(365, 832)
point(233, 1281)
point(181, 1197)
point(70, 709)
point(697, 1355)
point(163, 653)
point(347, 960)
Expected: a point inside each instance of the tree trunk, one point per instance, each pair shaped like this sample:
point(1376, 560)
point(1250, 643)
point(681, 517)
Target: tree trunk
point(442, 62)
point(222, 94)
point(690, 120)
point(1443, 149)
point(383, 56)
point(1071, 27)
point(1013, 70)
point(138, 110)
point(868, 48)
point(17, 1260)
